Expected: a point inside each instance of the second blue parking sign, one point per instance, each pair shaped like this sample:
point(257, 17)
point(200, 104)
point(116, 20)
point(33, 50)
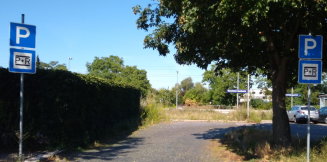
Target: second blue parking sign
point(22, 61)
point(310, 71)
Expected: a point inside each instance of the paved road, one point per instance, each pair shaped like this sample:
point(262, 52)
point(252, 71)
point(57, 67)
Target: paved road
point(178, 141)
point(173, 142)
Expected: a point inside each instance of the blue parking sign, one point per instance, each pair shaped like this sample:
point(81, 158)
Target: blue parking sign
point(310, 47)
point(310, 71)
point(22, 35)
point(22, 61)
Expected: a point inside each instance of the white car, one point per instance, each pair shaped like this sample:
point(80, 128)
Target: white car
point(300, 114)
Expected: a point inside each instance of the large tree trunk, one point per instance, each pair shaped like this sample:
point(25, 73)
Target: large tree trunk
point(281, 127)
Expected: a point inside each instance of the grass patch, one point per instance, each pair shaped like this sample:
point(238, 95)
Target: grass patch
point(210, 114)
point(193, 114)
point(152, 114)
point(256, 116)
point(255, 145)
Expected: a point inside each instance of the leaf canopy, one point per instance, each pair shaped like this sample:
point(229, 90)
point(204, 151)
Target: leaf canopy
point(242, 35)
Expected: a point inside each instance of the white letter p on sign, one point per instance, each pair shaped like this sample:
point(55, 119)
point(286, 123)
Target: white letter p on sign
point(19, 35)
point(306, 45)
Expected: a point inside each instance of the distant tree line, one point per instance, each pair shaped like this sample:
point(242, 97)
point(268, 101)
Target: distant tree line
point(52, 65)
point(190, 93)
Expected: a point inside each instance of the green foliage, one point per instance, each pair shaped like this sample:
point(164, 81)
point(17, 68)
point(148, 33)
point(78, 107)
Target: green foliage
point(256, 145)
point(152, 114)
point(165, 97)
point(219, 84)
point(186, 85)
point(162, 97)
point(246, 141)
point(262, 81)
point(106, 67)
point(302, 89)
point(64, 109)
point(52, 65)
point(260, 104)
point(234, 34)
point(113, 69)
point(256, 103)
point(198, 93)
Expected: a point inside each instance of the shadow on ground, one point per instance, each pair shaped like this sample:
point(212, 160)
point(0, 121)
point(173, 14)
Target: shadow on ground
point(116, 144)
point(243, 144)
point(106, 153)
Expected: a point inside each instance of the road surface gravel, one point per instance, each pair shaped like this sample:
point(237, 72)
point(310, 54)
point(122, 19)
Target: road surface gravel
point(171, 142)
point(178, 141)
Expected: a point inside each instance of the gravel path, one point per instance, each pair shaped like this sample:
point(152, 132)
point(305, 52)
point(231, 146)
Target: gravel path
point(173, 142)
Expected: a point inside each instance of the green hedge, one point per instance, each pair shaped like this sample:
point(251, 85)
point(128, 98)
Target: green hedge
point(63, 109)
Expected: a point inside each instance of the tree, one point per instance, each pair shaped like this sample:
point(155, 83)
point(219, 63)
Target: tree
point(263, 83)
point(241, 35)
point(303, 90)
point(52, 65)
point(165, 97)
point(106, 67)
point(112, 68)
point(130, 75)
point(198, 93)
point(186, 85)
point(219, 83)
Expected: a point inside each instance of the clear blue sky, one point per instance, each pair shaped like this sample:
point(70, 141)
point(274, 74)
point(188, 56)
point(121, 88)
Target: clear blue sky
point(84, 29)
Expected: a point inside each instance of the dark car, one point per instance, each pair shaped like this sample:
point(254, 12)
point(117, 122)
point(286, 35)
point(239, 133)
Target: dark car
point(323, 115)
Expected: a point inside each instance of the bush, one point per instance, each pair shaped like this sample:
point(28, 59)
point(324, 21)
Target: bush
point(63, 109)
point(249, 142)
point(152, 114)
point(255, 144)
point(260, 104)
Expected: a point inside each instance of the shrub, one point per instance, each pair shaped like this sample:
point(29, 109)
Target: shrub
point(152, 114)
point(260, 104)
point(248, 140)
point(255, 144)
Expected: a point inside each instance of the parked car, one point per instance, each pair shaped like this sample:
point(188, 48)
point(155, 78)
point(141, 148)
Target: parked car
point(323, 115)
point(300, 114)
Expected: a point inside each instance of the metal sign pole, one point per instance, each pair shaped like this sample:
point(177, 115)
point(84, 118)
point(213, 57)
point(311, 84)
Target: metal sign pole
point(21, 95)
point(177, 90)
point(238, 87)
point(310, 69)
point(248, 100)
point(308, 125)
point(292, 98)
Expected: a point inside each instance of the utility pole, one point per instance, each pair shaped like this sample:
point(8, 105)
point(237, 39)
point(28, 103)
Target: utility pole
point(177, 91)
